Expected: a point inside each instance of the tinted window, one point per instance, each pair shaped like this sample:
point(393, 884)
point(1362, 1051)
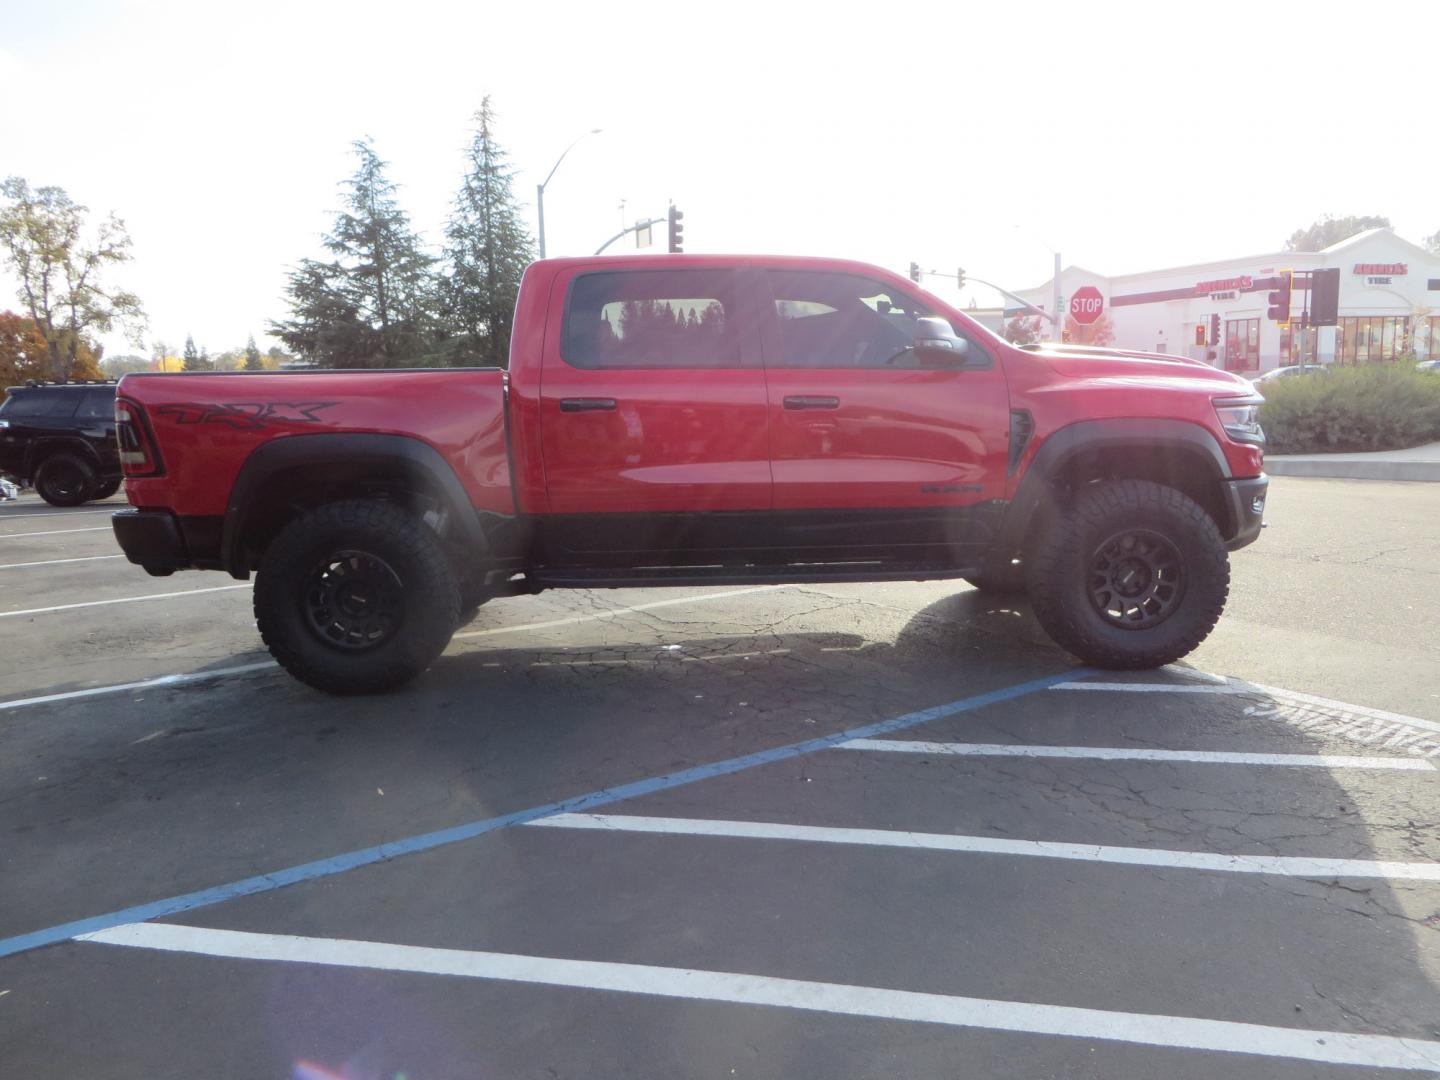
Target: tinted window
point(843, 321)
point(98, 405)
point(652, 319)
point(56, 404)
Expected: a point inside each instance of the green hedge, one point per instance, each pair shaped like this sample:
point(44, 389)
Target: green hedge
point(1371, 407)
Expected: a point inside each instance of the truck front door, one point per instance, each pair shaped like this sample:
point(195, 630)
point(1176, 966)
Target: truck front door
point(875, 452)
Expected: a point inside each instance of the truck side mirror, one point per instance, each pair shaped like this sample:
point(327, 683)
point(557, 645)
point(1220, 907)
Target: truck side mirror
point(936, 345)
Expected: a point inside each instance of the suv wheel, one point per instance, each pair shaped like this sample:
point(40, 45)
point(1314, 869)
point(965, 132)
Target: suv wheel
point(355, 597)
point(1133, 575)
point(64, 480)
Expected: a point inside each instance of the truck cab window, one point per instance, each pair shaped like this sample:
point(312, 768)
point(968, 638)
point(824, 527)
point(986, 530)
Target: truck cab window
point(651, 319)
point(842, 321)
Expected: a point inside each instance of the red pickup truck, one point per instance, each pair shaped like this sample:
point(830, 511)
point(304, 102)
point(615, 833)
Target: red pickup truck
point(700, 420)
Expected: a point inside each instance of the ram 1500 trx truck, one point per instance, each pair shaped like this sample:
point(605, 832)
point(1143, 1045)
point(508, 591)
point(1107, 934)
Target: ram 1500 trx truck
point(700, 420)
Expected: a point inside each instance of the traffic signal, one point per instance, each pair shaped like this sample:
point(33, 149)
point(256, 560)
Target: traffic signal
point(915, 272)
point(960, 278)
point(1214, 329)
point(1200, 334)
point(1280, 299)
point(1324, 296)
point(677, 230)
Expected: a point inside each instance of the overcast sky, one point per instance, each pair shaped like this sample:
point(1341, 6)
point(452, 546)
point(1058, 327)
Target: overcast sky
point(1130, 136)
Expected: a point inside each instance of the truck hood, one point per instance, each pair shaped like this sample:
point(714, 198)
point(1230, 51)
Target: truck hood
point(1175, 374)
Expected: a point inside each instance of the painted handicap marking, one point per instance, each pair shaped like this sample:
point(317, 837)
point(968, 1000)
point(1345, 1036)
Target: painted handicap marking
point(1309, 713)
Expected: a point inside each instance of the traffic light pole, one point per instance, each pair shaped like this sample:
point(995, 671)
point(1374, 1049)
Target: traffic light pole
point(645, 224)
point(1058, 324)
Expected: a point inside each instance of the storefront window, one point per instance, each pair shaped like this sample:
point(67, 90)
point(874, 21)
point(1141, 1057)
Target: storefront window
point(1364, 339)
point(1242, 345)
point(1427, 338)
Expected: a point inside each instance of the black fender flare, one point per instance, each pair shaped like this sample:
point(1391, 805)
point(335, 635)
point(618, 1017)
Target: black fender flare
point(415, 458)
point(47, 445)
point(1184, 441)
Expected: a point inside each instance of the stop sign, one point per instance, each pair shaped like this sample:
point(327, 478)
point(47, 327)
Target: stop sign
point(1087, 304)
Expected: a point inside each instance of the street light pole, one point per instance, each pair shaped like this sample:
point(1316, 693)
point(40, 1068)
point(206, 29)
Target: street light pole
point(1057, 321)
point(540, 188)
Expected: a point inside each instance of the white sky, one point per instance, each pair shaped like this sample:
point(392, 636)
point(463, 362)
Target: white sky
point(1130, 136)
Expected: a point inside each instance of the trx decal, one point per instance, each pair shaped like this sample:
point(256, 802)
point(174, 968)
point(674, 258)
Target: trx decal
point(248, 416)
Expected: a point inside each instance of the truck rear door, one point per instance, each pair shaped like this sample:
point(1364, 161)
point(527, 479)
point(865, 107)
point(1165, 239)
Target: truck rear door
point(652, 397)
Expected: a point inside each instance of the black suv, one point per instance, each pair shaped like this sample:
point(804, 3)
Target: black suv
point(61, 438)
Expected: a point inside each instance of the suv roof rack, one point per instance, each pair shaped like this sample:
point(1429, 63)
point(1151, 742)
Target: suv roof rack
point(35, 384)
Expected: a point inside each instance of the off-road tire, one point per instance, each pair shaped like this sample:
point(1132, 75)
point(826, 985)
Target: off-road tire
point(104, 489)
point(429, 597)
point(1062, 572)
point(64, 480)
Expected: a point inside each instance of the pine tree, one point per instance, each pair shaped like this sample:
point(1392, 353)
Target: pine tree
point(252, 356)
point(487, 248)
point(371, 305)
point(192, 355)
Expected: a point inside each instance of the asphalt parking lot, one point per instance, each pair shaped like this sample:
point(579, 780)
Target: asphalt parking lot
point(859, 831)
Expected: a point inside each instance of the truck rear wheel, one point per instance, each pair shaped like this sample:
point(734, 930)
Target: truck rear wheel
point(64, 480)
point(1133, 575)
point(355, 597)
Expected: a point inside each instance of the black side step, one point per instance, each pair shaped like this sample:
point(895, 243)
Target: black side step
point(696, 576)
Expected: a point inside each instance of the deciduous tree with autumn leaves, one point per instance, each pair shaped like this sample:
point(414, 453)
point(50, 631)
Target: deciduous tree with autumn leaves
point(64, 269)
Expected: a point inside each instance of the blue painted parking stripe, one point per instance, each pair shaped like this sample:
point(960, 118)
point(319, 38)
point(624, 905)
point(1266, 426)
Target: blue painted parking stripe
point(352, 860)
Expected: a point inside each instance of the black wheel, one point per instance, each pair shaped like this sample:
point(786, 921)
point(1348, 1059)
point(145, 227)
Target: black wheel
point(1133, 575)
point(104, 489)
point(64, 480)
point(355, 597)
point(1003, 579)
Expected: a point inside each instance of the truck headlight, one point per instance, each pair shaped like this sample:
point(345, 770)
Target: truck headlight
point(1241, 419)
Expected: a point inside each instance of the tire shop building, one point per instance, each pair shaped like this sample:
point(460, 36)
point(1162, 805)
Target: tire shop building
point(1389, 307)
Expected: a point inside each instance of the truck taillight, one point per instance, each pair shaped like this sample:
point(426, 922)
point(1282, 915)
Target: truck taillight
point(138, 453)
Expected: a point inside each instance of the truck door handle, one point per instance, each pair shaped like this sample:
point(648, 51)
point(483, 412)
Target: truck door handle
point(587, 404)
point(802, 401)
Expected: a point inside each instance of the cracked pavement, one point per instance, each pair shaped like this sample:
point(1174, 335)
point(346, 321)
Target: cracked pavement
point(111, 801)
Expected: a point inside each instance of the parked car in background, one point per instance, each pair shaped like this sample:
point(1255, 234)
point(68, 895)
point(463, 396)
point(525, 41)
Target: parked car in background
point(1289, 371)
point(60, 437)
point(1432, 366)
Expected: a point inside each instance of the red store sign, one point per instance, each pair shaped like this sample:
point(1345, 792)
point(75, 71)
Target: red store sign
point(1243, 282)
point(1393, 269)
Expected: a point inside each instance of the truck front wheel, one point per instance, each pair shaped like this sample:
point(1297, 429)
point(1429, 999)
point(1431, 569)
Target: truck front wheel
point(355, 597)
point(1133, 575)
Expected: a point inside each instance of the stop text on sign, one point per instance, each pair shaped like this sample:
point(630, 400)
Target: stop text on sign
point(1087, 304)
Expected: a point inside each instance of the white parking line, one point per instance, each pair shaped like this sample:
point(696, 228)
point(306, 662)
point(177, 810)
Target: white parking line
point(121, 600)
point(52, 532)
point(1157, 688)
point(1105, 753)
point(1282, 865)
point(57, 562)
point(61, 513)
point(143, 684)
point(1146, 1029)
